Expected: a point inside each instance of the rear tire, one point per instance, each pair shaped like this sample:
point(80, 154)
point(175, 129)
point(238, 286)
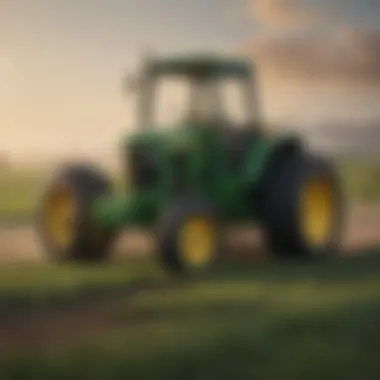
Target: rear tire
point(64, 223)
point(303, 208)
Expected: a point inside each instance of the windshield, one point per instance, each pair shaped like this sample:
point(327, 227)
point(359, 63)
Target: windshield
point(178, 100)
point(171, 103)
point(237, 105)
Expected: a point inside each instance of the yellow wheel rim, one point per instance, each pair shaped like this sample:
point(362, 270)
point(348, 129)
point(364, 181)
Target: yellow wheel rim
point(318, 211)
point(59, 216)
point(197, 240)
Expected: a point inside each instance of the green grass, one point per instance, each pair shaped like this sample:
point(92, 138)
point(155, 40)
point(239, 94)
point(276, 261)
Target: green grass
point(20, 190)
point(295, 320)
point(361, 178)
point(34, 286)
point(19, 193)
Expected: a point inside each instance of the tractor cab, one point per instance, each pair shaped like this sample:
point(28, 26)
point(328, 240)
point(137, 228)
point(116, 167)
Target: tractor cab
point(198, 112)
point(196, 91)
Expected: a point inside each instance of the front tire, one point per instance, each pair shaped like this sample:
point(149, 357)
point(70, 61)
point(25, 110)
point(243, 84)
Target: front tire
point(188, 236)
point(303, 208)
point(64, 223)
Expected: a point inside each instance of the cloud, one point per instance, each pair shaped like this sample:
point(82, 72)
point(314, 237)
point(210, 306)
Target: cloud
point(346, 55)
point(322, 48)
point(284, 13)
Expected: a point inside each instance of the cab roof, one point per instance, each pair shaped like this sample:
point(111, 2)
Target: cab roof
point(200, 64)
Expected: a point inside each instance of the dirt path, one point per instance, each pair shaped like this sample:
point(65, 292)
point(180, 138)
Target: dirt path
point(42, 329)
point(89, 319)
point(20, 243)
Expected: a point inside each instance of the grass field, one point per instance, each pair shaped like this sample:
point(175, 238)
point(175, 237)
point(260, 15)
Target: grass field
point(128, 319)
point(20, 190)
point(361, 178)
point(314, 321)
point(25, 286)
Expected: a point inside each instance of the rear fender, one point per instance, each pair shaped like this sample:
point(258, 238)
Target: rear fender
point(264, 157)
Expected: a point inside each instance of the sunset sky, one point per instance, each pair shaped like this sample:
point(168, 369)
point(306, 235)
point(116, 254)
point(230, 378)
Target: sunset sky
point(61, 62)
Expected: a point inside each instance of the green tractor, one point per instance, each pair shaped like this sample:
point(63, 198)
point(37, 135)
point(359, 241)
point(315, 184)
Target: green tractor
point(212, 164)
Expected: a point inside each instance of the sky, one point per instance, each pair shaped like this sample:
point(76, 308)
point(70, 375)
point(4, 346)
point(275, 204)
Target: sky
point(61, 62)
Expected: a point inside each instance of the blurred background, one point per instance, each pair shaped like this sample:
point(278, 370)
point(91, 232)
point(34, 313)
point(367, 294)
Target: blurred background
point(62, 64)
point(61, 69)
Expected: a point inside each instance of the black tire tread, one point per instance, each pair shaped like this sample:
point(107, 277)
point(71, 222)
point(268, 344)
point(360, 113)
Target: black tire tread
point(169, 224)
point(279, 204)
point(87, 183)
